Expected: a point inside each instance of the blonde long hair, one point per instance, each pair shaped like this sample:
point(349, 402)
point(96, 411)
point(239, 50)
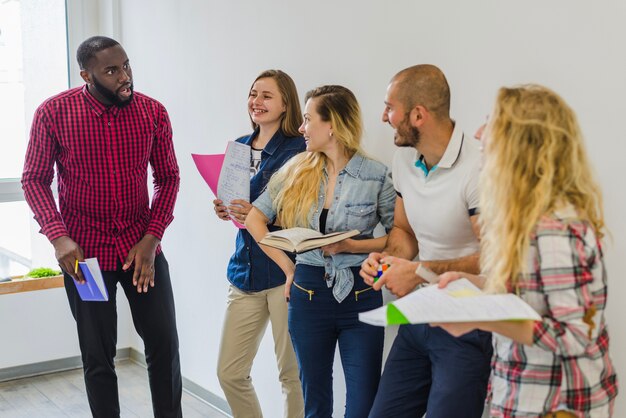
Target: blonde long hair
point(295, 187)
point(535, 163)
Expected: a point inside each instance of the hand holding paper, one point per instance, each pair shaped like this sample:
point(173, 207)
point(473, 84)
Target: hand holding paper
point(239, 210)
point(228, 175)
point(221, 210)
point(67, 252)
point(460, 301)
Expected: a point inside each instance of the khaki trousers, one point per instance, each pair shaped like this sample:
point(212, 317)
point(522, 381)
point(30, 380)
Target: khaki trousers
point(246, 318)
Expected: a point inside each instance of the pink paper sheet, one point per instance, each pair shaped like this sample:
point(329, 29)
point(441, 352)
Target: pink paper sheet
point(210, 167)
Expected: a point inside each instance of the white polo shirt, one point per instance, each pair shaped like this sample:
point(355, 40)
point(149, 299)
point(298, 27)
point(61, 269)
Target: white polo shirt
point(439, 203)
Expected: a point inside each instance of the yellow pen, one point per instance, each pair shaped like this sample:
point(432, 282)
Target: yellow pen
point(76, 267)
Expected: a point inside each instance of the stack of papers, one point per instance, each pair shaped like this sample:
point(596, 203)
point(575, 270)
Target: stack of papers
point(460, 301)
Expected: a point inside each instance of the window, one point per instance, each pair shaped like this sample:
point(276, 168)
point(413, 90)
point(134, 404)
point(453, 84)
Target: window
point(33, 66)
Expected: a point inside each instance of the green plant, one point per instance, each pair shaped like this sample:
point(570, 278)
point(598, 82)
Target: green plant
point(43, 272)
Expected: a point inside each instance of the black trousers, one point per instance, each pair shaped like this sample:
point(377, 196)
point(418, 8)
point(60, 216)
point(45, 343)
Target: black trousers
point(155, 321)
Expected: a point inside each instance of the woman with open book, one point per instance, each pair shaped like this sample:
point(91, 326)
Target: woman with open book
point(257, 284)
point(332, 187)
point(542, 221)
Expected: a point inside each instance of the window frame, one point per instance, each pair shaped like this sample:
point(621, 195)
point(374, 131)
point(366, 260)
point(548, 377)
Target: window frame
point(83, 18)
point(11, 187)
point(11, 190)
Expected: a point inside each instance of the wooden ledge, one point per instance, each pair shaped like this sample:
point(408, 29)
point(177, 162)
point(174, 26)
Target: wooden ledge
point(18, 284)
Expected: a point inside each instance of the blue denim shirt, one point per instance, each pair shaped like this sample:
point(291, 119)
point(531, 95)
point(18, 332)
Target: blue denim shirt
point(363, 197)
point(249, 268)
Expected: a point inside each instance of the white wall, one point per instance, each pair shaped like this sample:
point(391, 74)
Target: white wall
point(38, 327)
point(199, 58)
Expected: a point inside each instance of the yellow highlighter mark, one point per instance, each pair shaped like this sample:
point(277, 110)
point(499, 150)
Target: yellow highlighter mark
point(463, 293)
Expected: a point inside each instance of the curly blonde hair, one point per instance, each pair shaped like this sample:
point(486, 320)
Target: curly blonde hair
point(535, 163)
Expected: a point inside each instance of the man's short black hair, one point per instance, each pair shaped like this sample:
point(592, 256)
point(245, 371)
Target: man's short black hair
point(88, 49)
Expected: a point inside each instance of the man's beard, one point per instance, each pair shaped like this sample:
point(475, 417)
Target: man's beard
point(111, 96)
point(407, 135)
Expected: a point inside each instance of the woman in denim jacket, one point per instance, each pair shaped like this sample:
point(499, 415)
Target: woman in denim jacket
point(256, 282)
point(332, 187)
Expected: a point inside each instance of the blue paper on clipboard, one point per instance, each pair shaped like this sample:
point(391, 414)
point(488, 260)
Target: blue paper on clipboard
point(93, 290)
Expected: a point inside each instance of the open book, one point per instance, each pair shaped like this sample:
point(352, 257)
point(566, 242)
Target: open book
point(460, 301)
point(298, 240)
point(93, 289)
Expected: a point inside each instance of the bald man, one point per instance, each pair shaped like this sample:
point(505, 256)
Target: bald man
point(435, 174)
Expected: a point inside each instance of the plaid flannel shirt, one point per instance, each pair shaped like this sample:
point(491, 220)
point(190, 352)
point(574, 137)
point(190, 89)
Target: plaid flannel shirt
point(568, 367)
point(101, 155)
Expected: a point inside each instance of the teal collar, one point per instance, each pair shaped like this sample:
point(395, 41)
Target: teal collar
point(421, 164)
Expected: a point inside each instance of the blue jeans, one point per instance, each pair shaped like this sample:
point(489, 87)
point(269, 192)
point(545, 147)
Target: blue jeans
point(429, 371)
point(316, 323)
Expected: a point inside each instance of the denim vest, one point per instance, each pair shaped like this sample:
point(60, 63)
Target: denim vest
point(249, 268)
point(363, 197)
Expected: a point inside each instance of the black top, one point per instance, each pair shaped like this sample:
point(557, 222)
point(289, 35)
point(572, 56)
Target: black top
point(323, 217)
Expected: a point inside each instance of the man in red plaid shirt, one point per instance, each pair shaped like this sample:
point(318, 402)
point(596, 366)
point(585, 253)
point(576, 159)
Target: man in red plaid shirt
point(102, 136)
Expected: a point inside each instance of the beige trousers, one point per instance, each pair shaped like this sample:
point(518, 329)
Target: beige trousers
point(246, 318)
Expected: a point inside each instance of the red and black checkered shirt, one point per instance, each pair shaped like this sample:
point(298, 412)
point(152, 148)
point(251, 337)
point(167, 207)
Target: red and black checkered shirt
point(102, 156)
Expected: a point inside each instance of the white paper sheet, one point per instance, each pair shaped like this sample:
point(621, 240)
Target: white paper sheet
point(234, 181)
point(460, 301)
